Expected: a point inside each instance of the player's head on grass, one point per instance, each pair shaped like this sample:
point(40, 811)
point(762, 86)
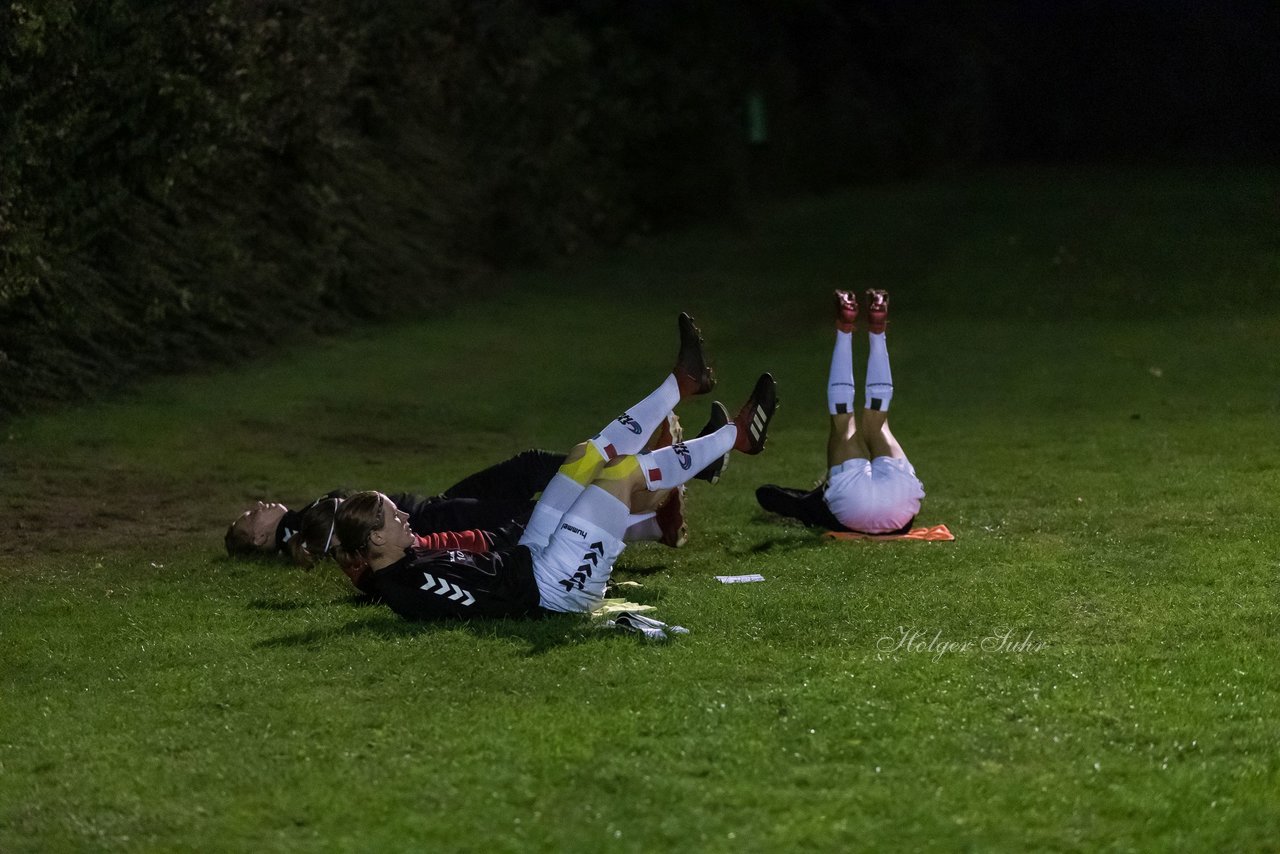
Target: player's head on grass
point(254, 531)
point(317, 533)
point(371, 530)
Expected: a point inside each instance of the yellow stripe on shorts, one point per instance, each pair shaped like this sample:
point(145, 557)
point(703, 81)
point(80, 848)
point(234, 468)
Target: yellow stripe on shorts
point(621, 468)
point(585, 469)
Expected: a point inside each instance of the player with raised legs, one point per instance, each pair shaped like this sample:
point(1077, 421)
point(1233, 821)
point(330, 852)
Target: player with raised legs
point(871, 487)
point(575, 533)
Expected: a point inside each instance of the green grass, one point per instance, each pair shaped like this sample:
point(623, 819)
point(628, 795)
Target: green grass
point(1107, 459)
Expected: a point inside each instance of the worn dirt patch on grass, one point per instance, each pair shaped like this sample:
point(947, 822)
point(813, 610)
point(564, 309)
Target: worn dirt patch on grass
point(72, 505)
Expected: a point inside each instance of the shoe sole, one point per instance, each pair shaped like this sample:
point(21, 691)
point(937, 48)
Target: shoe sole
point(877, 320)
point(853, 303)
point(691, 361)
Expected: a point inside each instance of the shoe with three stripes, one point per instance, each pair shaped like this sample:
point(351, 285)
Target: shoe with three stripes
point(754, 417)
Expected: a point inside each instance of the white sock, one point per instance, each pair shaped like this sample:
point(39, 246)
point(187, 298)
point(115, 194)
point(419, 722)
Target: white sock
point(643, 528)
point(557, 498)
point(629, 432)
point(669, 467)
point(879, 389)
point(840, 387)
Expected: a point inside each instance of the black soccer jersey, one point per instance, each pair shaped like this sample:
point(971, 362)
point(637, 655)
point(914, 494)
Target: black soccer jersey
point(434, 585)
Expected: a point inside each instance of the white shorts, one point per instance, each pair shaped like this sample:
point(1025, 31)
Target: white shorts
point(573, 567)
point(874, 496)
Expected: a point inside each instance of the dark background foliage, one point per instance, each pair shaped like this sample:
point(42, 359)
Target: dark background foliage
point(191, 182)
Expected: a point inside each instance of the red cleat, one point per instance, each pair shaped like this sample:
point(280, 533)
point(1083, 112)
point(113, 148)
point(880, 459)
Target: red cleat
point(754, 416)
point(670, 519)
point(846, 311)
point(693, 374)
point(877, 310)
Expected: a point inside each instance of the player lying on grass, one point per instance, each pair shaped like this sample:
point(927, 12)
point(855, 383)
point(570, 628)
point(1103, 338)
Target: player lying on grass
point(870, 487)
point(315, 538)
point(493, 500)
point(567, 552)
point(489, 498)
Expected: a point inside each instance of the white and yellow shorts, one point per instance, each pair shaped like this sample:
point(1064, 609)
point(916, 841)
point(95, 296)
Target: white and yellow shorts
point(574, 566)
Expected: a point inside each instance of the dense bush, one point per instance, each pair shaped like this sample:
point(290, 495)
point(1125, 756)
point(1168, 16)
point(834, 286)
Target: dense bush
point(184, 182)
point(170, 191)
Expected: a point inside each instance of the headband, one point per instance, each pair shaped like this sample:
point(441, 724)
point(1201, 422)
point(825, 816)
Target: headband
point(332, 522)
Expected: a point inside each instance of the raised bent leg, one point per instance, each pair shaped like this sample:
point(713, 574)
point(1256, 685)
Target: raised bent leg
point(878, 439)
point(844, 441)
point(626, 435)
point(876, 435)
point(629, 433)
point(574, 563)
point(581, 466)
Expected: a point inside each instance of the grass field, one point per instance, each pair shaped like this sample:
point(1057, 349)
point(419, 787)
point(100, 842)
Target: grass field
point(1103, 444)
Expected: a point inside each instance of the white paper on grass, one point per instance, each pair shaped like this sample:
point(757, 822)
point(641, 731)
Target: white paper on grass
point(739, 579)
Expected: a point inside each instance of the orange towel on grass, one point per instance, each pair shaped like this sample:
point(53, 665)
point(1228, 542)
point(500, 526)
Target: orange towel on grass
point(937, 533)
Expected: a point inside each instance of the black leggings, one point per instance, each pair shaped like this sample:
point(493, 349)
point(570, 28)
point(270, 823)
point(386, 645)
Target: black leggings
point(517, 479)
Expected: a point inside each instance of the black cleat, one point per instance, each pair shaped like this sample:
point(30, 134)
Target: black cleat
point(719, 418)
point(780, 499)
point(754, 416)
point(693, 374)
